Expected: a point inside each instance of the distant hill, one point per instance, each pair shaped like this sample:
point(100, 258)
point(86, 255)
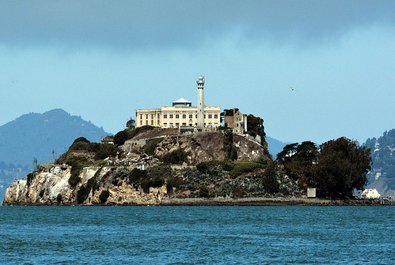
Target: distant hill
point(39, 136)
point(275, 146)
point(382, 175)
point(43, 136)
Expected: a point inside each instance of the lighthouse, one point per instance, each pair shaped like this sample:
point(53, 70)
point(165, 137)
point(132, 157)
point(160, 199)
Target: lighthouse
point(200, 103)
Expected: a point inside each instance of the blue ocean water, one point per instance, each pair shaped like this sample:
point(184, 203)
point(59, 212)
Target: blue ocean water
point(197, 235)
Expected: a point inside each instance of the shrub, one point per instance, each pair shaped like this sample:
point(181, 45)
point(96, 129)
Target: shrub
point(238, 192)
point(79, 146)
point(155, 177)
point(150, 146)
point(81, 140)
point(91, 185)
point(106, 150)
point(243, 167)
point(235, 168)
point(209, 166)
point(74, 177)
point(59, 198)
point(121, 137)
point(104, 196)
point(137, 175)
point(173, 182)
point(82, 194)
point(175, 157)
point(77, 163)
point(30, 178)
point(203, 192)
point(80, 143)
point(155, 182)
point(138, 130)
point(269, 178)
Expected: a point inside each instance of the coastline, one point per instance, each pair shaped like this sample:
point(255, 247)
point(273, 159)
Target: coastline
point(267, 201)
point(251, 201)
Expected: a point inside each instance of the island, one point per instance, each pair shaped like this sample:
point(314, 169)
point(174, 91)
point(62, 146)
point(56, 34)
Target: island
point(196, 155)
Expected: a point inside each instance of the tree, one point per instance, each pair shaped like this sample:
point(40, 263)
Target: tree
point(255, 127)
point(121, 137)
point(131, 123)
point(342, 167)
point(299, 161)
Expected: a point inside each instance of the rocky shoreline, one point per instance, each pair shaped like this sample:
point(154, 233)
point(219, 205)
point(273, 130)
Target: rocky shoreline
point(252, 201)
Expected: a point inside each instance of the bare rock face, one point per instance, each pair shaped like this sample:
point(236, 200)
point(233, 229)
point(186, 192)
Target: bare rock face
point(43, 187)
point(51, 186)
point(207, 146)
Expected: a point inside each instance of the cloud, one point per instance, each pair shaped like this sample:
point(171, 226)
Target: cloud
point(149, 24)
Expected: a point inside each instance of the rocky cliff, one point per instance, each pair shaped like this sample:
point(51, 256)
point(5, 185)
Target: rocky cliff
point(152, 166)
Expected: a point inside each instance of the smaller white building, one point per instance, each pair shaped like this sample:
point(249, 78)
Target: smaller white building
point(370, 194)
point(311, 192)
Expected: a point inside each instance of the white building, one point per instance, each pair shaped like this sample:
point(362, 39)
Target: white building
point(182, 113)
point(370, 194)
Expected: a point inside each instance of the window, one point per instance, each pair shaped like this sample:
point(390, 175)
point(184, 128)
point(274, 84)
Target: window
point(177, 124)
point(196, 116)
point(184, 116)
point(204, 115)
point(152, 122)
point(165, 124)
point(146, 122)
point(146, 116)
point(141, 116)
point(164, 116)
point(190, 124)
point(171, 125)
point(177, 116)
point(184, 124)
point(171, 116)
point(152, 116)
point(210, 116)
point(190, 116)
point(141, 122)
point(215, 116)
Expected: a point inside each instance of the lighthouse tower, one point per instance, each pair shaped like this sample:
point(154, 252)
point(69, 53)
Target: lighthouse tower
point(200, 103)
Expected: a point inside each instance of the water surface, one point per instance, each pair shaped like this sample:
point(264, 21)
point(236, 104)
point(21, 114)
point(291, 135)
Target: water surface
point(197, 235)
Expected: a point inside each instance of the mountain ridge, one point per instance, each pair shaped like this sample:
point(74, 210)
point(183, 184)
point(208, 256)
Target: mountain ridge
point(42, 135)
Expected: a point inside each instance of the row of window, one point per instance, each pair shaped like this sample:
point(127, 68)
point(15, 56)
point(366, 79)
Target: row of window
point(171, 116)
point(177, 124)
point(190, 116)
point(146, 122)
point(146, 116)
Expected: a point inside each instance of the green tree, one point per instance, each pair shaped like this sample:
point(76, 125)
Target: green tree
point(121, 137)
point(343, 166)
point(299, 162)
point(255, 127)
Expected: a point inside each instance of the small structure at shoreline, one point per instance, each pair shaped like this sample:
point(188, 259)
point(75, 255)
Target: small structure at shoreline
point(370, 194)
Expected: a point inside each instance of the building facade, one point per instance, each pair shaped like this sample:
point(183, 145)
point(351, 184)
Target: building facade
point(235, 120)
point(182, 114)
